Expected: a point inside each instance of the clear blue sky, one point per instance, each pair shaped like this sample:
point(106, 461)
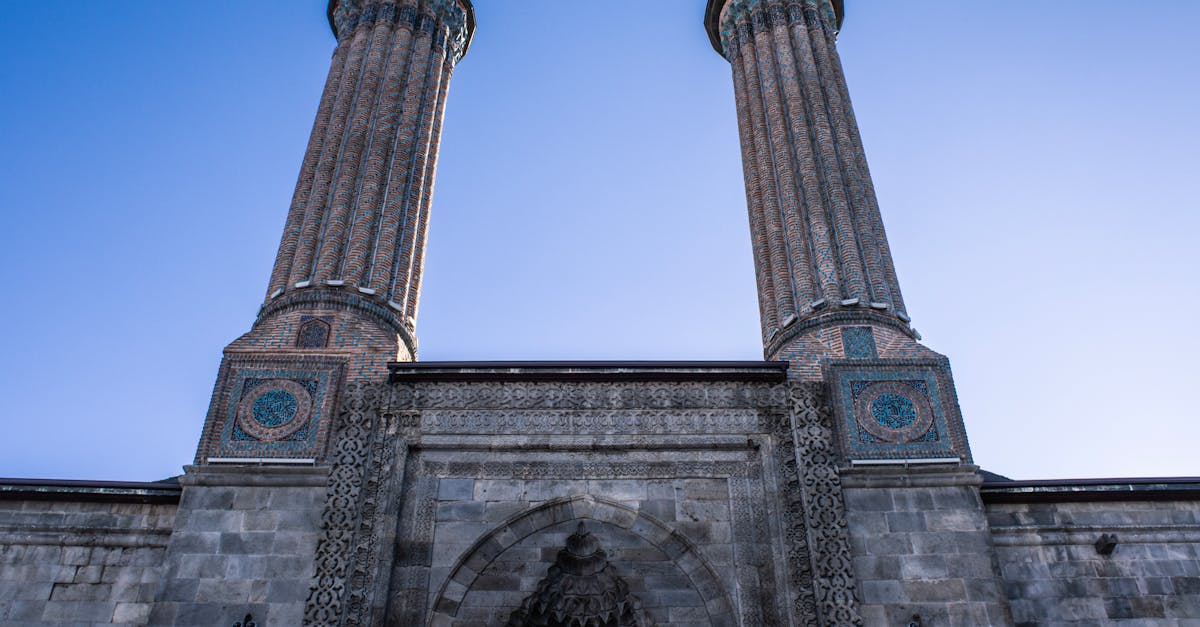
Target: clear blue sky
point(1036, 164)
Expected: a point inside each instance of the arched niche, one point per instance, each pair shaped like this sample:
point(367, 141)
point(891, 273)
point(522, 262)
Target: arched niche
point(557, 518)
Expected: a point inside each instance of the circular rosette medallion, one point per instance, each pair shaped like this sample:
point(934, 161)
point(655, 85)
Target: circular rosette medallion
point(893, 411)
point(274, 410)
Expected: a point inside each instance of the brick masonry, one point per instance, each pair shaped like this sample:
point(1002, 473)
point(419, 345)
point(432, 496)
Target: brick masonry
point(359, 216)
point(817, 236)
point(346, 281)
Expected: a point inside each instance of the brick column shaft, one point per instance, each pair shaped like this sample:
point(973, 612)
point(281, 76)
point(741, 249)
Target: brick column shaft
point(821, 254)
point(357, 222)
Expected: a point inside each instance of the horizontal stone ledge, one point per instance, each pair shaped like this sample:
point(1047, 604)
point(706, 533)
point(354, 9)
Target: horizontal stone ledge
point(614, 371)
point(911, 477)
point(253, 475)
point(73, 490)
point(1092, 490)
point(1086, 535)
point(66, 536)
point(577, 443)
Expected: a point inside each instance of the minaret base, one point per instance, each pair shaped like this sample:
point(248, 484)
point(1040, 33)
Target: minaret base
point(277, 386)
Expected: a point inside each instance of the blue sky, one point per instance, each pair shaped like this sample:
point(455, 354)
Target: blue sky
point(1035, 162)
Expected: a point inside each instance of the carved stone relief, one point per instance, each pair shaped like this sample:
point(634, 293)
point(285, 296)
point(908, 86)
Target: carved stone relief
point(768, 444)
point(581, 588)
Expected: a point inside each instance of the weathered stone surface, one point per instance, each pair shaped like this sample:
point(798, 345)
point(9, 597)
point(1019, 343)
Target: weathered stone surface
point(1054, 574)
point(216, 570)
point(64, 562)
point(923, 549)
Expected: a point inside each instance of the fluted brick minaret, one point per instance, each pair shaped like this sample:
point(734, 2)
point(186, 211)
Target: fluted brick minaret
point(356, 229)
point(820, 252)
point(342, 299)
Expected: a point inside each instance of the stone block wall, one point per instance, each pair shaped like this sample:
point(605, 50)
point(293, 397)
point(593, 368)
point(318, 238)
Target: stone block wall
point(921, 546)
point(64, 562)
point(1054, 574)
point(244, 542)
point(638, 523)
point(686, 538)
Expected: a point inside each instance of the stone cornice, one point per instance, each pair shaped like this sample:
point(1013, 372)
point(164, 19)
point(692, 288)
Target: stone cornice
point(767, 371)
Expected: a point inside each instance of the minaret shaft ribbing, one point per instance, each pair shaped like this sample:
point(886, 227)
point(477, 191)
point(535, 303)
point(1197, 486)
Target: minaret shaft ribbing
point(357, 222)
point(818, 239)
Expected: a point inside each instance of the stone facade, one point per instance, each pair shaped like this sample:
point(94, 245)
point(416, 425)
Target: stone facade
point(922, 547)
point(339, 481)
point(1106, 552)
point(243, 542)
point(83, 555)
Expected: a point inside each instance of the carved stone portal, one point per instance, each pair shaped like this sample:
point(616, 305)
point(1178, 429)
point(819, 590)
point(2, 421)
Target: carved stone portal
point(581, 589)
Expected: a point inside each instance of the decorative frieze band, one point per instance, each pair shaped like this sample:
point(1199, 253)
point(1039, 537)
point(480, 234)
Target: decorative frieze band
point(594, 422)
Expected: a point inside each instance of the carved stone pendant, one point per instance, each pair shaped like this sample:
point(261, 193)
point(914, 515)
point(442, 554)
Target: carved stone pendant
point(581, 589)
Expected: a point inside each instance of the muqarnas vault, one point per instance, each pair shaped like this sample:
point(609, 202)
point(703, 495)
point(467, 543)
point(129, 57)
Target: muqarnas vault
point(339, 481)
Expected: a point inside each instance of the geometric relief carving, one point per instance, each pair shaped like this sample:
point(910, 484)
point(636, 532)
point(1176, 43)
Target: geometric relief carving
point(356, 418)
point(274, 409)
point(814, 585)
point(581, 589)
point(825, 511)
point(583, 395)
point(896, 409)
point(589, 421)
point(313, 333)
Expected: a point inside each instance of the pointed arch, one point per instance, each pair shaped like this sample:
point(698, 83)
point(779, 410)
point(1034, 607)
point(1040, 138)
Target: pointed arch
point(680, 550)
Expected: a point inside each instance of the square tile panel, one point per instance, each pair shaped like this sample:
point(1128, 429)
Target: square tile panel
point(274, 408)
point(896, 409)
